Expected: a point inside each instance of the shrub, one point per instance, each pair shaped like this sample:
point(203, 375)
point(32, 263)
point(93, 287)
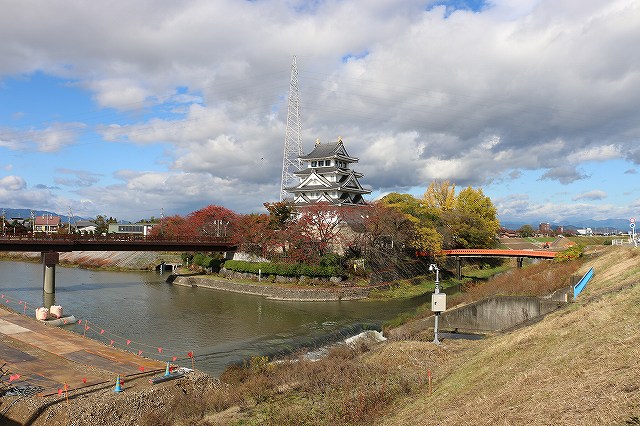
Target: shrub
point(572, 253)
point(284, 269)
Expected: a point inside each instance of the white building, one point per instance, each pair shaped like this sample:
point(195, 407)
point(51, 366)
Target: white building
point(585, 231)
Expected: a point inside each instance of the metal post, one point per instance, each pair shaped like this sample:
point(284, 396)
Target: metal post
point(434, 267)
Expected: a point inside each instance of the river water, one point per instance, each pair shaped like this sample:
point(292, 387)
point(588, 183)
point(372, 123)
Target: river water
point(164, 321)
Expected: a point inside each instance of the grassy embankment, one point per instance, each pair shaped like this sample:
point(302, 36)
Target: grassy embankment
point(579, 365)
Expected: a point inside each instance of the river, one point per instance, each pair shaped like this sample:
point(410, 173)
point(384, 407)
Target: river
point(164, 321)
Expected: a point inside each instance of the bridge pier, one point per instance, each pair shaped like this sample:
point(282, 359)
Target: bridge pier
point(519, 261)
point(48, 300)
point(49, 261)
point(458, 268)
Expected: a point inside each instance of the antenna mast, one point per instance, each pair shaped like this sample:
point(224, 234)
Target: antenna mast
point(292, 140)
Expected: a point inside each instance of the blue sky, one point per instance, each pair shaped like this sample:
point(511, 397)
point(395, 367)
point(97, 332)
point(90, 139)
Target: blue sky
point(134, 110)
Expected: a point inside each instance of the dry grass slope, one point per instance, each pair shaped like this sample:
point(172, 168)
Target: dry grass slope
point(578, 366)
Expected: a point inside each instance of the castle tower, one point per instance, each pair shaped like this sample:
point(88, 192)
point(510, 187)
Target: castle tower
point(326, 176)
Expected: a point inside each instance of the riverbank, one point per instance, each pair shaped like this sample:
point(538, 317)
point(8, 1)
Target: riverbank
point(106, 260)
point(55, 376)
point(275, 291)
point(578, 365)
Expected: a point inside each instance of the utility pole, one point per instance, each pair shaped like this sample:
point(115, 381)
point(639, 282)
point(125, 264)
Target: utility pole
point(291, 161)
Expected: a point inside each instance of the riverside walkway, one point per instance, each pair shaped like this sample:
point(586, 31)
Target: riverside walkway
point(50, 359)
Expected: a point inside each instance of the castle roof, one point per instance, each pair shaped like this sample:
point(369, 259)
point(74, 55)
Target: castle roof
point(329, 150)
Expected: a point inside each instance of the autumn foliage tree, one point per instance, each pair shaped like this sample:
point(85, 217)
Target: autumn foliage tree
point(210, 221)
point(465, 220)
point(255, 235)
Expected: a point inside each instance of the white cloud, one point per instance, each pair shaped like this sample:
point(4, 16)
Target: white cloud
point(76, 178)
point(52, 138)
point(591, 195)
point(523, 85)
point(12, 183)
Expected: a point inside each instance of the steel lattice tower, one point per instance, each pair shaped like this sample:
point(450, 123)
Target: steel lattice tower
point(291, 162)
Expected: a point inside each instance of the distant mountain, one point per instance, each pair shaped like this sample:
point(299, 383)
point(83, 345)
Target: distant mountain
point(26, 214)
point(598, 226)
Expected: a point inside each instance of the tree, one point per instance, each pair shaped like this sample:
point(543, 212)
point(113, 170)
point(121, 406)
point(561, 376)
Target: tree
point(321, 223)
point(440, 196)
point(281, 214)
point(405, 203)
point(212, 221)
point(386, 225)
point(526, 231)
point(428, 240)
point(473, 220)
point(172, 226)
point(254, 234)
point(102, 224)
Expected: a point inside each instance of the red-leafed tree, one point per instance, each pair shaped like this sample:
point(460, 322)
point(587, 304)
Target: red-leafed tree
point(387, 226)
point(213, 221)
point(210, 221)
point(253, 234)
point(322, 223)
point(171, 227)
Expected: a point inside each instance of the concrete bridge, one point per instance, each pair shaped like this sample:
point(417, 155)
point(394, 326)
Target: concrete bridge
point(518, 254)
point(50, 246)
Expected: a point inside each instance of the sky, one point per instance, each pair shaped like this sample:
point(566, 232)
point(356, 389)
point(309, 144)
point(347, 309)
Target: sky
point(153, 108)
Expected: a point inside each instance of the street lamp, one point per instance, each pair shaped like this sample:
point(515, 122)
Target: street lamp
point(438, 302)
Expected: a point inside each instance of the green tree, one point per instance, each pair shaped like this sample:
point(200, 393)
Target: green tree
point(474, 220)
point(281, 213)
point(405, 203)
point(526, 231)
point(102, 224)
point(427, 239)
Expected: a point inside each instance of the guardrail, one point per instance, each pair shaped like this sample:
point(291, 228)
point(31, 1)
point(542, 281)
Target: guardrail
point(499, 252)
point(577, 289)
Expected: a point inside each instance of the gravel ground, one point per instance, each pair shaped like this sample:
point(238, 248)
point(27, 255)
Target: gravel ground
point(139, 403)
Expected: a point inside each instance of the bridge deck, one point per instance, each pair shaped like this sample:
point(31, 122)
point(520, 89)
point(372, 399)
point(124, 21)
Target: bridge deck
point(546, 254)
point(67, 243)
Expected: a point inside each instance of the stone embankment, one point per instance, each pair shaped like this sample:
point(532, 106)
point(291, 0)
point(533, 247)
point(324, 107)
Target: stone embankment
point(275, 291)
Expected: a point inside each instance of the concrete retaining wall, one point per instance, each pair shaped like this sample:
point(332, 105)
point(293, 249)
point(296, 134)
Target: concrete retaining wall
point(275, 292)
point(496, 313)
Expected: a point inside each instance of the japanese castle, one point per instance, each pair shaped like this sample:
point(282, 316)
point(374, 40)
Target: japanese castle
point(326, 177)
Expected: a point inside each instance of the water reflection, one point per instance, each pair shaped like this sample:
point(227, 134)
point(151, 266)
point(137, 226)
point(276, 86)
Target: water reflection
point(219, 327)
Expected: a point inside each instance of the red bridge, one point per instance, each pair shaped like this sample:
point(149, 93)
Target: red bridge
point(519, 254)
point(500, 253)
